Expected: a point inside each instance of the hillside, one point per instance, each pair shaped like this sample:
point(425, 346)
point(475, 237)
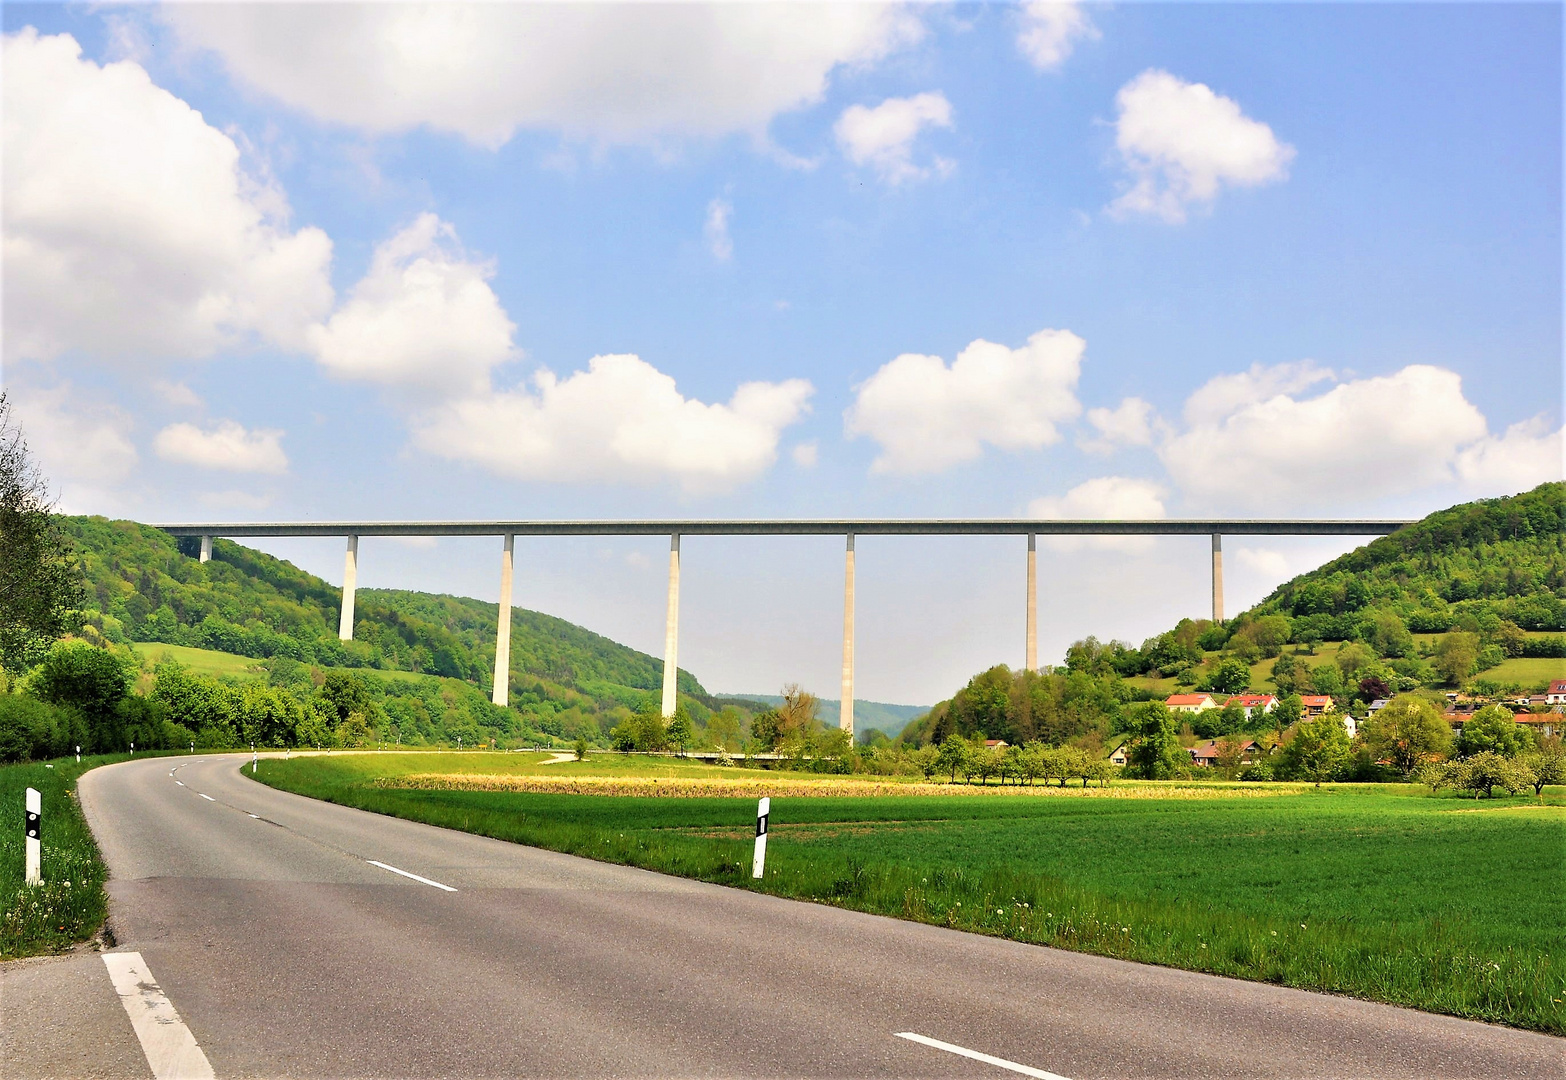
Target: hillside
point(145, 586)
point(1488, 577)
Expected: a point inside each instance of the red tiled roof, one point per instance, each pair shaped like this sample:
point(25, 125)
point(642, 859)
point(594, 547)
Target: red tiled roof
point(1186, 699)
point(1251, 699)
point(1315, 699)
point(1558, 686)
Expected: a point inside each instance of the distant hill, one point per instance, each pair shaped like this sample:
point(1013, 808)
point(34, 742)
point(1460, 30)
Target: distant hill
point(1494, 568)
point(143, 585)
point(867, 714)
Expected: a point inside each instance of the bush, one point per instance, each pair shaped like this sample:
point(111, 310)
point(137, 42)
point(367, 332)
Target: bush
point(33, 730)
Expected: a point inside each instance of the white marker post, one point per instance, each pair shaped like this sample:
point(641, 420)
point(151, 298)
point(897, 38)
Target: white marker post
point(253, 759)
point(34, 844)
point(78, 755)
point(762, 810)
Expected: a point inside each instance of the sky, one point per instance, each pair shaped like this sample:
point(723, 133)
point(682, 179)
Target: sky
point(386, 262)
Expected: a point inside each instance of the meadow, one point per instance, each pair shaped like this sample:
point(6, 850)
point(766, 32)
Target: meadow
point(1387, 893)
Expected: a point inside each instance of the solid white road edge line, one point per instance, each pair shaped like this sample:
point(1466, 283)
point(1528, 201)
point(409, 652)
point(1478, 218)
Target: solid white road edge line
point(963, 1051)
point(171, 1049)
point(205, 796)
point(181, 783)
point(404, 873)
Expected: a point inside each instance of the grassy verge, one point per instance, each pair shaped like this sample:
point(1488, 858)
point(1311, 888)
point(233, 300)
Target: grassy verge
point(1388, 894)
point(70, 904)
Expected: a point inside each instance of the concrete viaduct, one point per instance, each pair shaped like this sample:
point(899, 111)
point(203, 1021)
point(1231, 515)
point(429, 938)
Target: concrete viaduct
point(508, 531)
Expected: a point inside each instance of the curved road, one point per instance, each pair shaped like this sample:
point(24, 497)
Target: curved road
point(289, 952)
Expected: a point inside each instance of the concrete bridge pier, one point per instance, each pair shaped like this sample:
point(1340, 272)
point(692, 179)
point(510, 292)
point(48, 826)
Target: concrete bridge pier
point(502, 690)
point(1030, 653)
point(350, 580)
point(845, 719)
point(671, 632)
point(1217, 578)
point(206, 549)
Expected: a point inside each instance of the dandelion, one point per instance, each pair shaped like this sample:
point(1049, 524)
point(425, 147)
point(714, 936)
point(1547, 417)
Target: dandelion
point(1204, 944)
point(1275, 933)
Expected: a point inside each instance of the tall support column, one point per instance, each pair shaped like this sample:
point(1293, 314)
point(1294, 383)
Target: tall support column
point(671, 631)
point(1217, 578)
point(502, 690)
point(845, 717)
point(206, 549)
point(1030, 656)
point(350, 579)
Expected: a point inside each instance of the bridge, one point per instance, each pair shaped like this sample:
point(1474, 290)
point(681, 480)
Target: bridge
point(1030, 528)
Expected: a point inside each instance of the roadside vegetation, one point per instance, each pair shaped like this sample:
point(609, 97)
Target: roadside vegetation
point(70, 905)
point(1382, 892)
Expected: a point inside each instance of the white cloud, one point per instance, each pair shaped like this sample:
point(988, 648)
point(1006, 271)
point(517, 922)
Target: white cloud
point(231, 500)
point(83, 447)
point(1110, 498)
point(1181, 143)
point(928, 417)
point(1129, 424)
point(622, 420)
point(805, 455)
point(130, 228)
point(423, 316)
point(1359, 441)
point(1049, 30)
point(228, 447)
point(177, 394)
point(1264, 562)
point(883, 137)
point(1529, 454)
point(716, 230)
point(1223, 395)
point(620, 73)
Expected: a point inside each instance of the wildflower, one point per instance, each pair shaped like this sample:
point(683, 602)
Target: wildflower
point(1275, 933)
point(1302, 926)
point(1000, 911)
point(1204, 944)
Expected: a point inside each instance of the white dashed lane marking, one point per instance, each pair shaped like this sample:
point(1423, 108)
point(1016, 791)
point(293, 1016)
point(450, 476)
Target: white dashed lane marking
point(963, 1051)
point(205, 796)
point(415, 877)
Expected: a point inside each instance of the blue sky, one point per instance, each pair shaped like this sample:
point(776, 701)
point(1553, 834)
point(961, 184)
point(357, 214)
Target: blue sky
point(307, 263)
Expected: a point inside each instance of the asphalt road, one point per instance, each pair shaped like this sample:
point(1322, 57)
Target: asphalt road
point(288, 952)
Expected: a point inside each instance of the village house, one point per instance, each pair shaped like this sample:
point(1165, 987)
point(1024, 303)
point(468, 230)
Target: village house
point(996, 744)
point(1556, 695)
point(1377, 705)
point(1543, 725)
point(1192, 703)
point(1252, 702)
point(1117, 756)
point(1315, 704)
point(1206, 754)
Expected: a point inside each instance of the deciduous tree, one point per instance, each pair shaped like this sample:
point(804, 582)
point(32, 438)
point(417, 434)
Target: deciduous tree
point(1408, 732)
point(40, 580)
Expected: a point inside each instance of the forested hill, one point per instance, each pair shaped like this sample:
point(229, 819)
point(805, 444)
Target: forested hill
point(144, 585)
point(1499, 559)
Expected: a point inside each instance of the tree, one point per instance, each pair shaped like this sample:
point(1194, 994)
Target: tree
point(927, 758)
point(1216, 722)
point(954, 755)
point(1229, 753)
point(1493, 729)
point(1408, 732)
point(723, 728)
point(1547, 765)
point(1155, 752)
point(1373, 688)
point(1456, 656)
point(1387, 633)
point(1353, 658)
point(797, 715)
point(1320, 750)
point(90, 680)
point(40, 579)
point(1327, 679)
point(1290, 710)
point(679, 731)
point(1231, 676)
point(1286, 673)
point(580, 748)
point(1480, 774)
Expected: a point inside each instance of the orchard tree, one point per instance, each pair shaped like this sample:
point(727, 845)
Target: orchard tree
point(1546, 765)
point(1155, 752)
point(40, 580)
point(953, 756)
point(679, 732)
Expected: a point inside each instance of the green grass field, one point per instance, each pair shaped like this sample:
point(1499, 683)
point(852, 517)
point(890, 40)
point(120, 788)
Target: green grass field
point(70, 904)
point(203, 661)
point(1383, 893)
